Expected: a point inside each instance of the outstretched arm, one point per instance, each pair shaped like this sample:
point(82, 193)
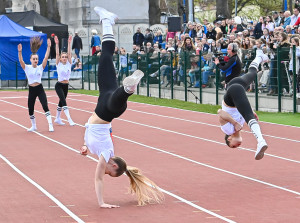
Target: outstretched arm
point(224, 117)
point(69, 50)
point(47, 53)
point(57, 49)
point(100, 172)
point(20, 56)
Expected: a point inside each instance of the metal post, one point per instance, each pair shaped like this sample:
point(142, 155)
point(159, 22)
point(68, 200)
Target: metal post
point(16, 75)
point(147, 75)
point(137, 67)
point(95, 70)
point(294, 80)
point(89, 72)
point(235, 7)
point(256, 93)
point(127, 71)
point(48, 74)
point(200, 79)
point(82, 77)
point(159, 86)
point(172, 78)
point(217, 85)
point(279, 79)
point(185, 80)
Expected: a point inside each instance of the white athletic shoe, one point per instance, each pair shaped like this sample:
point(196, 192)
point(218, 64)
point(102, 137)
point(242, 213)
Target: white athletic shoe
point(71, 122)
point(59, 121)
point(261, 148)
point(131, 82)
point(51, 129)
point(264, 57)
point(33, 128)
point(104, 14)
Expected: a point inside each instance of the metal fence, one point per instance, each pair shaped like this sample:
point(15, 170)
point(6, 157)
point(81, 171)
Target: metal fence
point(171, 75)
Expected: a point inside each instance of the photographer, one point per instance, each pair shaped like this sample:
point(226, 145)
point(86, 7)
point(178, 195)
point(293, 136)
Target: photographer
point(232, 68)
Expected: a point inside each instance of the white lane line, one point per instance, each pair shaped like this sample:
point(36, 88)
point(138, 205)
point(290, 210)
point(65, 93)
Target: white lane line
point(56, 201)
point(191, 121)
point(192, 111)
point(166, 130)
point(184, 158)
point(163, 190)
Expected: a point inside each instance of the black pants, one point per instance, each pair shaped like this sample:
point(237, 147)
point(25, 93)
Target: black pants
point(62, 92)
point(37, 91)
point(236, 94)
point(112, 101)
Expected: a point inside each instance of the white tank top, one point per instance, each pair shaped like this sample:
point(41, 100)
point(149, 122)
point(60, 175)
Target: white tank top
point(228, 128)
point(98, 140)
point(63, 71)
point(34, 74)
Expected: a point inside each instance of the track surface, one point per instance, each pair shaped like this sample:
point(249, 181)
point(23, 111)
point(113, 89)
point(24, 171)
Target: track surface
point(182, 151)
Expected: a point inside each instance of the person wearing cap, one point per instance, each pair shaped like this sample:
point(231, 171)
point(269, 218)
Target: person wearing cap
point(77, 44)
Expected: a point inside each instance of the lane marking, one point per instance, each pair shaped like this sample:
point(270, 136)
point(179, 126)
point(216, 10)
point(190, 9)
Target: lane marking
point(45, 192)
point(164, 191)
point(166, 152)
point(191, 121)
point(191, 111)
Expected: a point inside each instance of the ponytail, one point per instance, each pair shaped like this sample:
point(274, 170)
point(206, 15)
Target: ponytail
point(145, 189)
point(35, 44)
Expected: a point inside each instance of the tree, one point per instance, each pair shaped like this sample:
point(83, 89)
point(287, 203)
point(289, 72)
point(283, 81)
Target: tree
point(43, 8)
point(222, 8)
point(2, 6)
point(53, 13)
point(154, 12)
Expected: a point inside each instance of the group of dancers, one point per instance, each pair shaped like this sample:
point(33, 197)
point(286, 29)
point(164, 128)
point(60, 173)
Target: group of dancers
point(112, 103)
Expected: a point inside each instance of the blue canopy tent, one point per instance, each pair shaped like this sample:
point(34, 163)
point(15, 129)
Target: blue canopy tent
point(11, 34)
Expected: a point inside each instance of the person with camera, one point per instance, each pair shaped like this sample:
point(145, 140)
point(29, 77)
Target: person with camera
point(231, 67)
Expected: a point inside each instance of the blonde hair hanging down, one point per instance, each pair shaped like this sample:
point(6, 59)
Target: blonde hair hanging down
point(35, 44)
point(147, 191)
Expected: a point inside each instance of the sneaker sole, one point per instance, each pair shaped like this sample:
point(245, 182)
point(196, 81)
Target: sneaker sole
point(133, 79)
point(98, 10)
point(261, 154)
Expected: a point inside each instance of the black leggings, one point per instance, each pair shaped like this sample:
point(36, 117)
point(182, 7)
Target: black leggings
point(37, 91)
point(236, 94)
point(62, 92)
point(112, 101)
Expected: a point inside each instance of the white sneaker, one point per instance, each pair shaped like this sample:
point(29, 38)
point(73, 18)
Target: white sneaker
point(59, 121)
point(153, 75)
point(104, 14)
point(33, 128)
point(131, 82)
point(71, 122)
point(264, 57)
point(261, 148)
point(51, 129)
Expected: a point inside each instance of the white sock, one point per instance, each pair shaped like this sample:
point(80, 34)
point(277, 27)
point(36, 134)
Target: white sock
point(255, 63)
point(48, 116)
point(255, 128)
point(33, 124)
point(107, 31)
point(67, 113)
point(58, 111)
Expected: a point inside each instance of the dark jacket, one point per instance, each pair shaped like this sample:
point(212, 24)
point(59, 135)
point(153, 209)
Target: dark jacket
point(258, 32)
point(77, 43)
point(232, 68)
point(138, 39)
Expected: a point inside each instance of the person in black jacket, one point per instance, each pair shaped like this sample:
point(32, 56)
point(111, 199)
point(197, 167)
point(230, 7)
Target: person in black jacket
point(138, 38)
point(258, 31)
point(233, 67)
point(77, 44)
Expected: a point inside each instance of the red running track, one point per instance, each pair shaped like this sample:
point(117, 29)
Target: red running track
point(182, 151)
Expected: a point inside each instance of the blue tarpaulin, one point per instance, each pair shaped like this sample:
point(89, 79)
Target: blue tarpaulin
point(11, 34)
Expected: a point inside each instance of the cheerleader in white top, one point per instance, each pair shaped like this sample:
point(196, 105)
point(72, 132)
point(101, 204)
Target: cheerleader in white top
point(112, 102)
point(236, 109)
point(34, 75)
point(63, 67)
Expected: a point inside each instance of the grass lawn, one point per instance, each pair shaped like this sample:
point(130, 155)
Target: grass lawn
point(279, 118)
